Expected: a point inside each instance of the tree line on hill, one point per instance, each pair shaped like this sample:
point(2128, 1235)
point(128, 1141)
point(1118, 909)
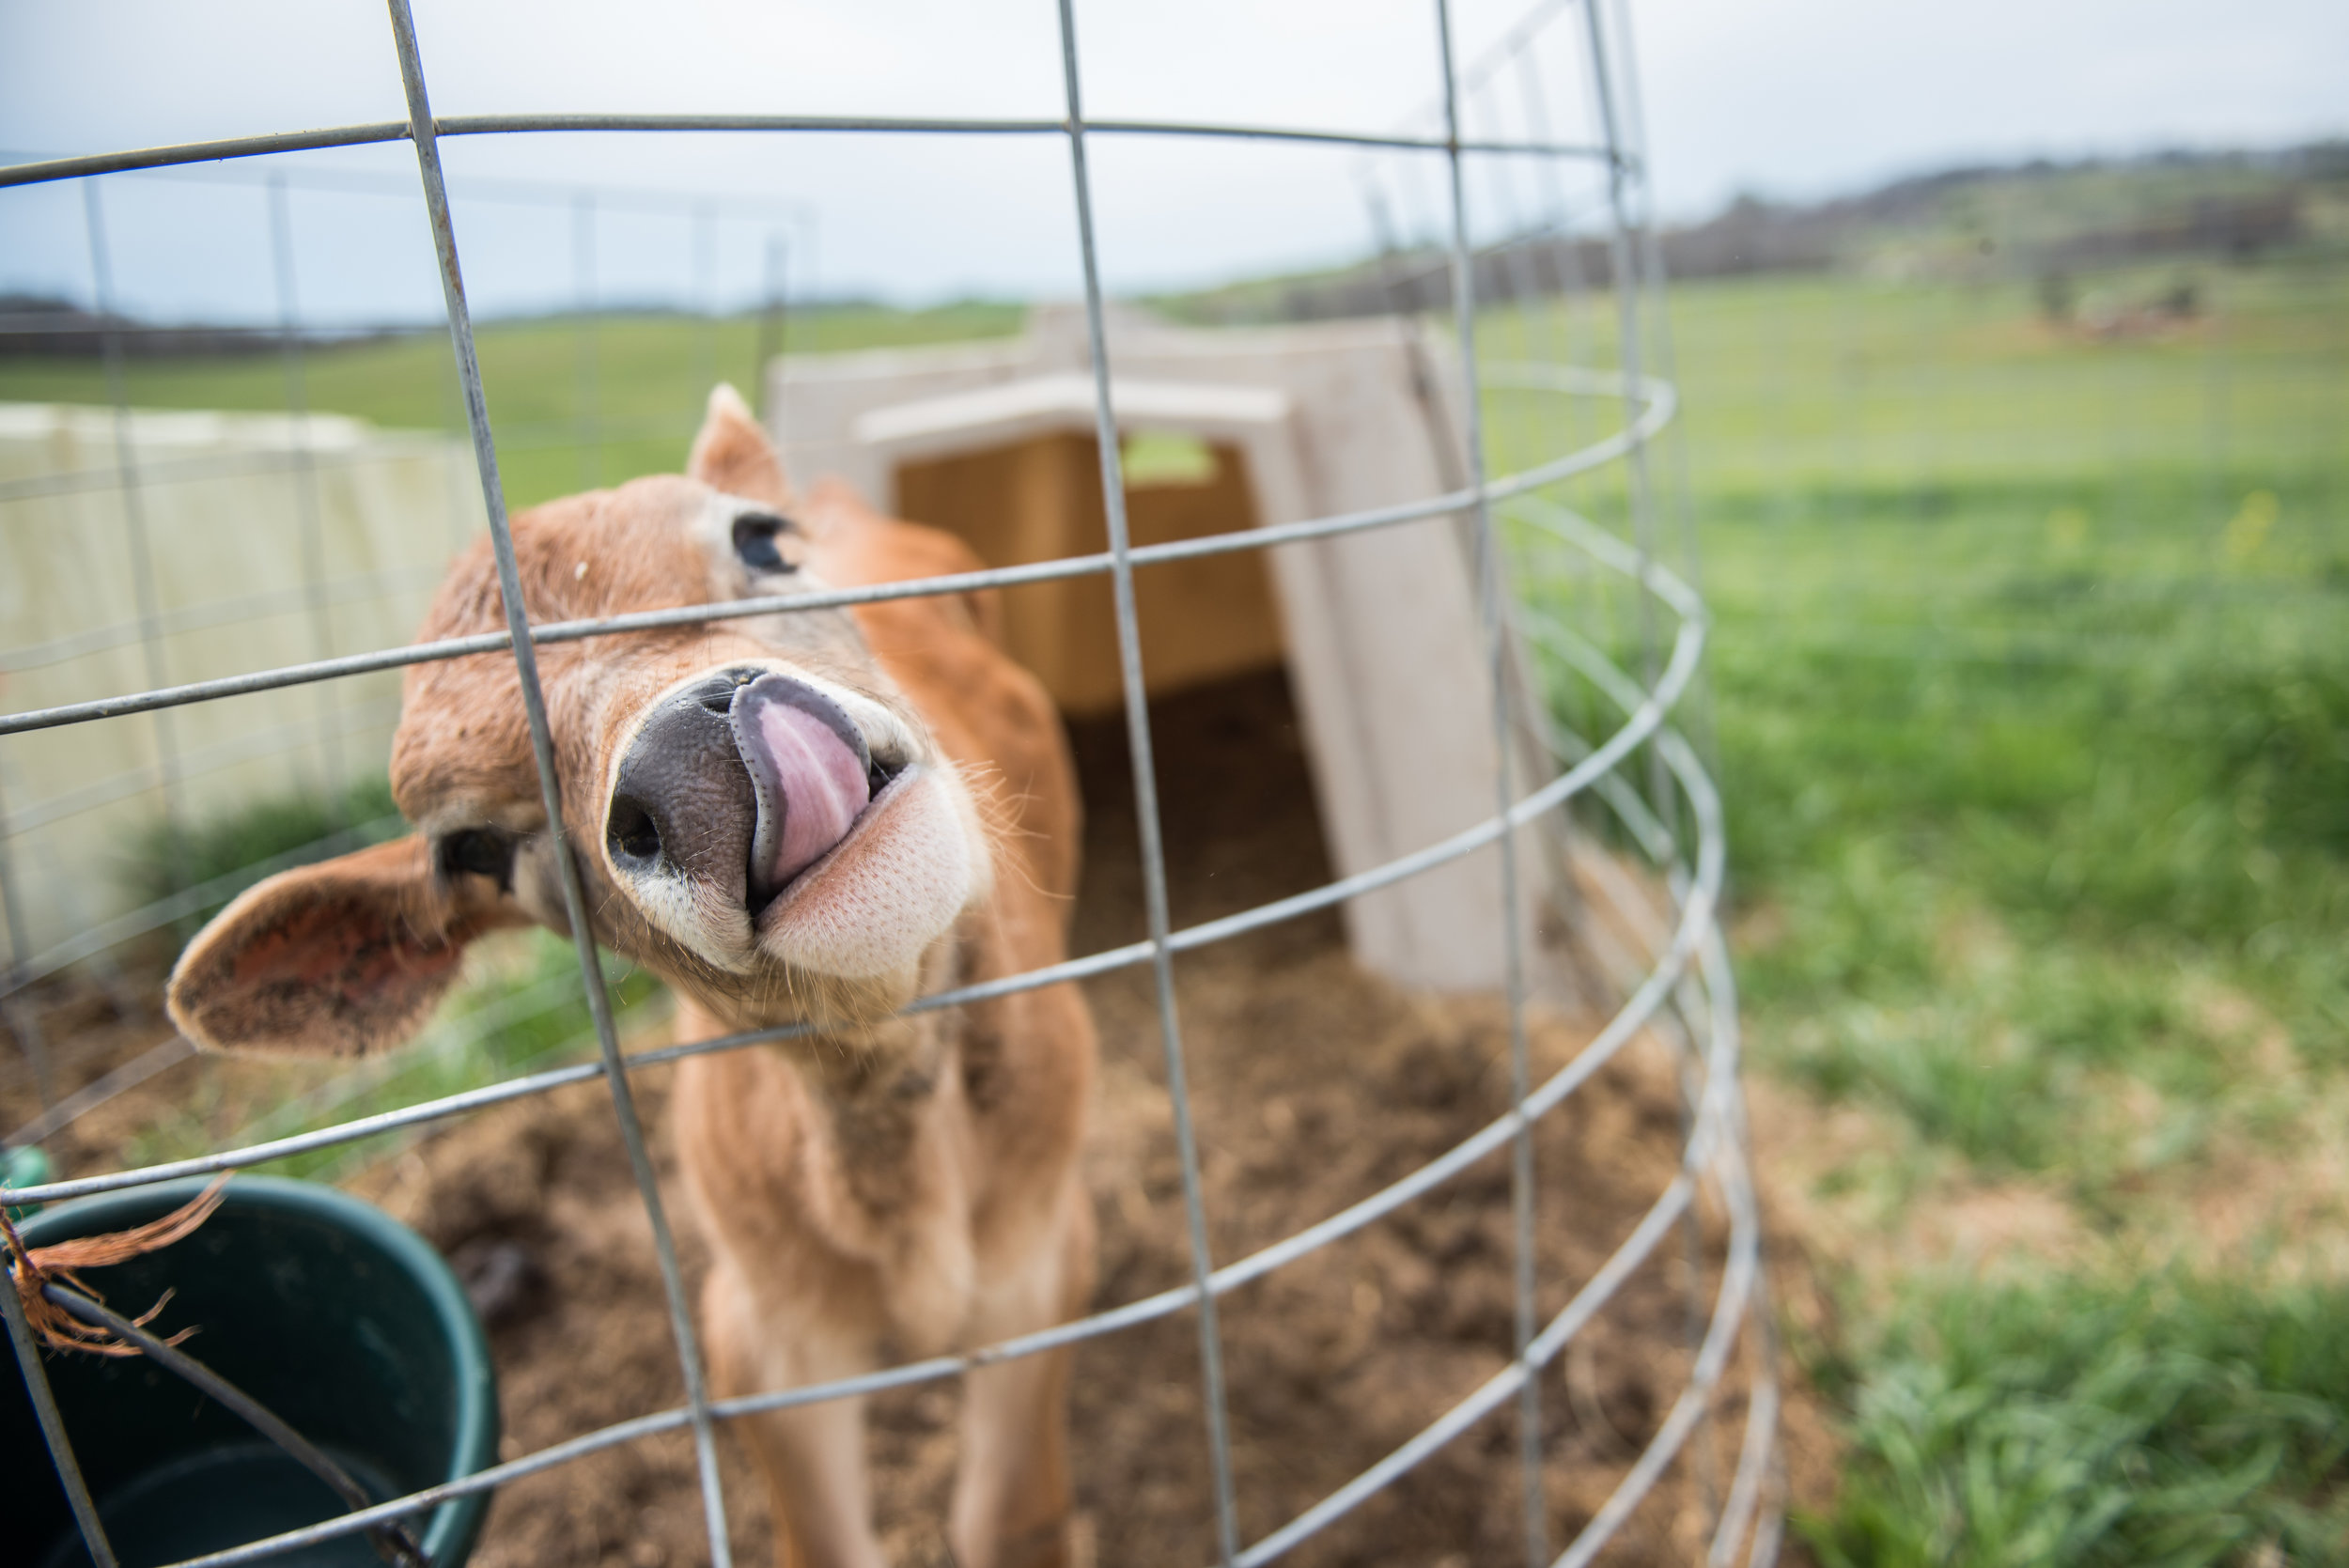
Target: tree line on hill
point(2040, 220)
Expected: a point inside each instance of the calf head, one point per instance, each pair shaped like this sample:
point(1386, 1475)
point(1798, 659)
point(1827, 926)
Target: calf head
point(757, 814)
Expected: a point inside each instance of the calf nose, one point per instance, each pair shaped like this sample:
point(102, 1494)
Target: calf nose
point(682, 805)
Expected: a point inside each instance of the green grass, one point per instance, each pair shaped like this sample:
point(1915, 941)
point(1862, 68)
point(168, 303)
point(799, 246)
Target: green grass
point(521, 1008)
point(2173, 1422)
point(2030, 705)
point(2031, 700)
point(221, 854)
point(576, 402)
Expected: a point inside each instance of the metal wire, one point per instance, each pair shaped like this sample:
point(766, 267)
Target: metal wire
point(550, 783)
point(211, 466)
point(393, 1541)
point(168, 1053)
point(1490, 592)
point(1593, 771)
point(307, 506)
point(1696, 925)
point(134, 510)
point(188, 901)
point(1659, 400)
point(1146, 811)
point(1694, 930)
point(53, 1426)
point(507, 125)
point(1687, 986)
point(1694, 936)
point(273, 742)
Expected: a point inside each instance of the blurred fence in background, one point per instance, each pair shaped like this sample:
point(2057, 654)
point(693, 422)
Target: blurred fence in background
point(256, 540)
point(2045, 425)
point(183, 502)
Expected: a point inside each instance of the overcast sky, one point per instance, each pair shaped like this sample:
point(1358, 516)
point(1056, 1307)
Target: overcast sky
point(1797, 98)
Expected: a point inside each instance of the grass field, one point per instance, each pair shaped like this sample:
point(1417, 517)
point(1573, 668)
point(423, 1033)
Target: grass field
point(2031, 691)
point(2031, 700)
point(576, 404)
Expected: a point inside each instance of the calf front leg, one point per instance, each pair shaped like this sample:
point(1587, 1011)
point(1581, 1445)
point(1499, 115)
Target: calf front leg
point(811, 1455)
point(1013, 1496)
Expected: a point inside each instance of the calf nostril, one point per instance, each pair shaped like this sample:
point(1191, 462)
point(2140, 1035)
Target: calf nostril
point(634, 837)
point(716, 695)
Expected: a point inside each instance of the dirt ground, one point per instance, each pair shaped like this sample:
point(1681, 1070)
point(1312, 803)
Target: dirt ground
point(1313, 1085)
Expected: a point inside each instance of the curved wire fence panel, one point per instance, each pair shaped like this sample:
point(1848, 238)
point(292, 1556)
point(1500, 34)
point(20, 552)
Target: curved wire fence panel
point(1591, 638)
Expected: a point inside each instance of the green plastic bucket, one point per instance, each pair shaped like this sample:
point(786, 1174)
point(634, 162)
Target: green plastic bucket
point(326, 1310)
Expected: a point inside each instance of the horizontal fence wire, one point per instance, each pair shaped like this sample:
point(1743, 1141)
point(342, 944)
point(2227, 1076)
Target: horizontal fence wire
point(1690, 963)
point(1693, 933)
point(273, 742)
point(1695, 940)
point(1657, 397)
point(1644, 720)
point(188, 901)
point(507, 125)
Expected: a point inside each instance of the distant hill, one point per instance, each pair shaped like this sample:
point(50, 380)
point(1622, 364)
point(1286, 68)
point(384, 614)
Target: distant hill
point(2039, 220)
point(33, 325)
point(39, 324)
point(43, 326)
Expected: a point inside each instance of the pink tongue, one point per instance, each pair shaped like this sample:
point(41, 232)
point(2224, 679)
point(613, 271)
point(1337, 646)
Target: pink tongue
point(820, 781)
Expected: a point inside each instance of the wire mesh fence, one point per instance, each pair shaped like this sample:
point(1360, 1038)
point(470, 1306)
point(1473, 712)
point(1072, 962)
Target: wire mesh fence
point(1563, 399)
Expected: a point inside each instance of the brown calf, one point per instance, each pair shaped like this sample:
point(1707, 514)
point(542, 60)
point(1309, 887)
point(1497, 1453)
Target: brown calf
point(812, 817)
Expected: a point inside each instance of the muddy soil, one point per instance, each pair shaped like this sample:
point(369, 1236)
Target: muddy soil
point(1313, 1085)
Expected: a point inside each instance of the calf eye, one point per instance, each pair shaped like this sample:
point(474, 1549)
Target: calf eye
point(755, 541)
point(481, 852)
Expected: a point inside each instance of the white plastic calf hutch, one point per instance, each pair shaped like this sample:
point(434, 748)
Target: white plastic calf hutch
point(1379, 629)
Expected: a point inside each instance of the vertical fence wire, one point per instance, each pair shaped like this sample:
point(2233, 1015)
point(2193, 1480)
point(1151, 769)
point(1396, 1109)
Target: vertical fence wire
point(143, 586)
point(1524, 241)
point(53, 1428)
point(1146, 811)
point(1698, 721)
point(309, 515)
point(550, 785)
point(1490, 589)
point(704, 222)
point(19, 1011)
point(1627, 269)
point(587, 430)
point(773, 327)
point(1622, 268)
point(1664, 356)
point(1570, 346)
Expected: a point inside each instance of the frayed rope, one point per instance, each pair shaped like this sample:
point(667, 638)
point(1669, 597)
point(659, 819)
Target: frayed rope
point(34, 1268)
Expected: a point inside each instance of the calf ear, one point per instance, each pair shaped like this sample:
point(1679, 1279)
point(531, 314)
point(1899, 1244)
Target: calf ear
point(342, 957)
point(732, 454)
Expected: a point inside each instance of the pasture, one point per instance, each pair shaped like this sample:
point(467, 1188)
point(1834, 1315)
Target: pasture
point(2029, 695)
point(2033, 705)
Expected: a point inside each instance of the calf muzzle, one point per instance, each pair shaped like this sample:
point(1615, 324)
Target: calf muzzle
point(738, 783)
